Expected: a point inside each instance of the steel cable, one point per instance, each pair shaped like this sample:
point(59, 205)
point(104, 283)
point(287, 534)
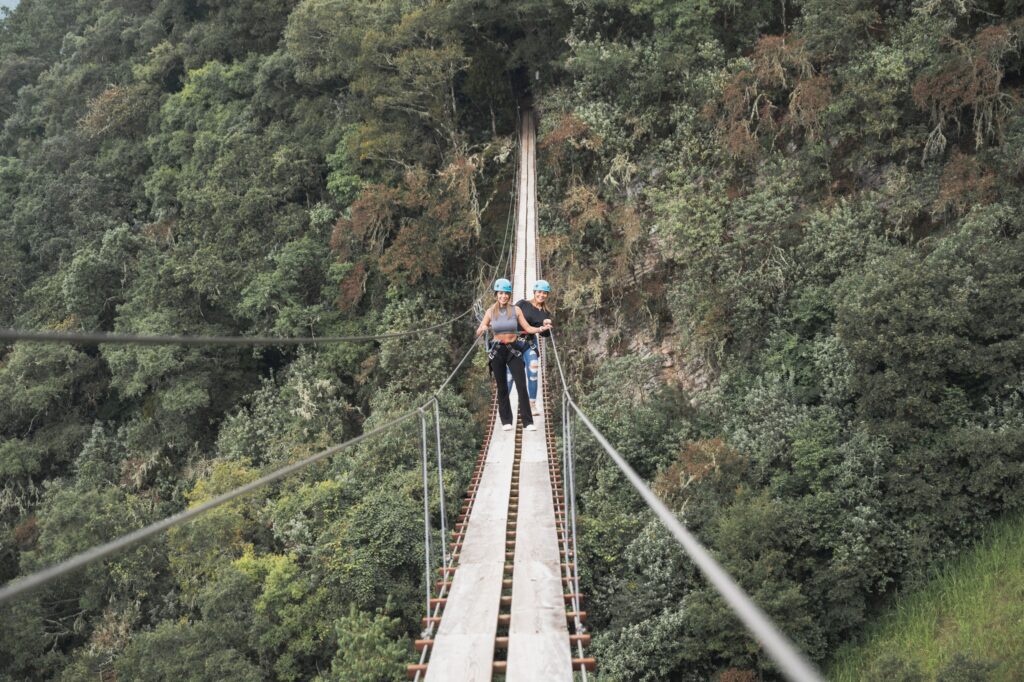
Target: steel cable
point(40, 578)
point(506, 241)
point(571, 504)
point(440, 485)
point(568, 479)
point(93, 338)
point(572, 576)
point(790, 660)
point(426, 511)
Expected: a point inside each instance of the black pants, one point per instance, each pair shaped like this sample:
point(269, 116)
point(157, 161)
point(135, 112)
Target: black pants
point(504, 357)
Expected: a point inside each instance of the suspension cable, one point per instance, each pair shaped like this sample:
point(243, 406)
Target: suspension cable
point(92, 338)
point(40, 578)
point(426, 509)
point(446, 560)
point(790, 660)
point(440, 485)
point(570, 458)
point(569, 491)
point(506, 241)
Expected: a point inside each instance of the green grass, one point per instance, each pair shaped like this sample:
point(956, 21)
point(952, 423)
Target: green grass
point(972, 607)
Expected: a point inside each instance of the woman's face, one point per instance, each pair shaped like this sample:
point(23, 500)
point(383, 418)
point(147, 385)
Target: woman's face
point(540, 296)
point(503, 297)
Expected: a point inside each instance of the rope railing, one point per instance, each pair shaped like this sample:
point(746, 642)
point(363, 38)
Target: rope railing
point(440, 486)
point(428, 630)
point(790, 661)
point(95, 338)
point(39, 579)
point(504, 257)
point(45, 576)
point(508, 238)
point(426, 507)
point(572, 575)
point(569, 488)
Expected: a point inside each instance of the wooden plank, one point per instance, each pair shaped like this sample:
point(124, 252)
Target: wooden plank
point(523, 211)
point(464, 645)
point(538, 647)
point(538, 635)
point(530, 271)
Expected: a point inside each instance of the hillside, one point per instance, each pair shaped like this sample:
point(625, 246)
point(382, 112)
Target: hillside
point(784, 239)
point(967, 620)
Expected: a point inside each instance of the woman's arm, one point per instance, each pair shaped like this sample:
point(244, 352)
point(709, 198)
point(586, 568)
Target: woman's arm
point(485, 324)
point(526, 325)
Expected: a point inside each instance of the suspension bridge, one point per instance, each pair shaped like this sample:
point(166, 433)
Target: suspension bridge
point(512, 590)
point(503, 597)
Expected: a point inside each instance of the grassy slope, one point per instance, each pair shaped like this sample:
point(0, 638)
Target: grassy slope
point(974, 606)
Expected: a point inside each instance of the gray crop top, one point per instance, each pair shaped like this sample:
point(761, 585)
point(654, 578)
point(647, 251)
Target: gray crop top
point(504, 324)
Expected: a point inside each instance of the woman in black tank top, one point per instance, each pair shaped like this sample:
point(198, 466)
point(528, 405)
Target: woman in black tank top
point(536, 312)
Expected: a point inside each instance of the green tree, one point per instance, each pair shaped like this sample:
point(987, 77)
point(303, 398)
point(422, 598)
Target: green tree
point(174, 651)
point(367, 649)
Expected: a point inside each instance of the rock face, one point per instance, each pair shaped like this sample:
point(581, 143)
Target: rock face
point(642, 335)
point(680, 366)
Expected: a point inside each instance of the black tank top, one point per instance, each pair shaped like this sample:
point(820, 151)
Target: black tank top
point(534, 315)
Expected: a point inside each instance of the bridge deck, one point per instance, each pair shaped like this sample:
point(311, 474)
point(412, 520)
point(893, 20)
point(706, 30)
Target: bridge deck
point(538, 646)
point(538, 636)
point(464, 645)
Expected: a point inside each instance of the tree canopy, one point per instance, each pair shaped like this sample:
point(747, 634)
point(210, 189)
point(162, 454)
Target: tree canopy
point(785, 241)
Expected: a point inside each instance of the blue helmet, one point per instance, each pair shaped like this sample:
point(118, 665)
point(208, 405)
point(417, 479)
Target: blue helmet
point(542, 285)
point(503, 285)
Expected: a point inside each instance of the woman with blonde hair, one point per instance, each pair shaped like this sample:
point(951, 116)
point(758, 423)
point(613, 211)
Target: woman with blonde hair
point(506, 353)
point(537, 313)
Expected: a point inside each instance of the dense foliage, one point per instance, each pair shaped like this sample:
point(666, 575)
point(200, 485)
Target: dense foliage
point(209, 167)
point(807, 215)
point(787, 240)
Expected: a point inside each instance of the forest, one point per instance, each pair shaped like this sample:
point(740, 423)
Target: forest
point(785, 241)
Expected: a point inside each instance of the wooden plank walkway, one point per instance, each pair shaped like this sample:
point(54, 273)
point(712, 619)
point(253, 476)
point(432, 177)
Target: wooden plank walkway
point(538, 646)
point(524, 272)
point(538, 635)
point(464, 645)
point(538, 642)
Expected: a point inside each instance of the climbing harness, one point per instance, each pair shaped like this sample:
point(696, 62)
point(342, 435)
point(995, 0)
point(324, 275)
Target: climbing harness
point(516, 348)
